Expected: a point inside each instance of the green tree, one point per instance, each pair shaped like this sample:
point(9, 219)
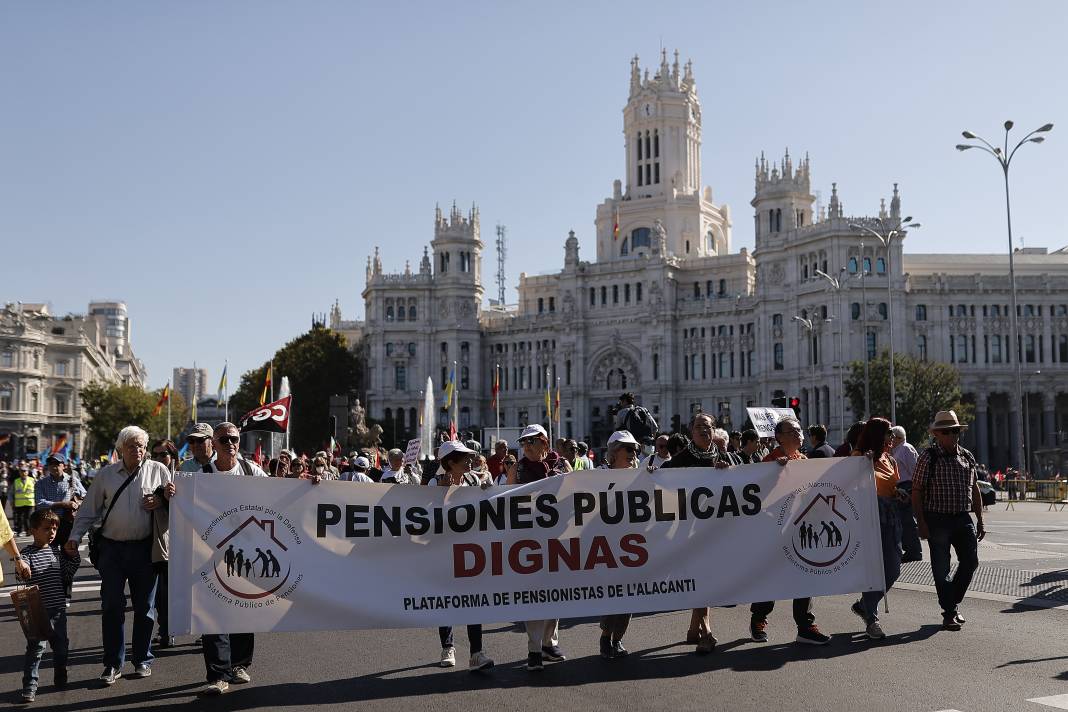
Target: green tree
point(112, 407)
point(319, 364)
point(922, 389)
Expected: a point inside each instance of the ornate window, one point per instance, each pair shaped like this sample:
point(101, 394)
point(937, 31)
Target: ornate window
point(411, 313)
point(7, 358)
point(921, 312)
point(7, 397)
point(854, 310)
point(778, 356)
point(880, 266)
point(853, 265)
point(640, 237)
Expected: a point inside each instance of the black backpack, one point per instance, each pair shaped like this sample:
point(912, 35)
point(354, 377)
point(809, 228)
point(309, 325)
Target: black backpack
point(640, 423)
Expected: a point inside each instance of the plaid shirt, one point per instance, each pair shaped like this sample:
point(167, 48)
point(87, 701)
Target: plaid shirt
point(946, 478)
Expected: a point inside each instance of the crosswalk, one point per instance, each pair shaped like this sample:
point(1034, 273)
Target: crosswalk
point(1057, 702)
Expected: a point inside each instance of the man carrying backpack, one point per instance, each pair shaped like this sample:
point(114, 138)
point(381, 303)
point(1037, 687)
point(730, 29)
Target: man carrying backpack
point(635, 418)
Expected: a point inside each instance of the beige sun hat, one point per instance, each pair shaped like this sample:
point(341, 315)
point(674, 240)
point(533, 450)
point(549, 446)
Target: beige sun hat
point(944, 420)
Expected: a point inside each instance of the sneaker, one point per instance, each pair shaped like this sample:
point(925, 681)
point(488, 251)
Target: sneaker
point(28, 695)
point(480, 661)
point(240, 676)
point(141, 670)
point(553, 653)
point(758, 630)
point(60, 678)
point(707, 644)
point(534, 661)
point(607, 650)
point(812, 636)
point(214, 689)
point(110, 675)
point(858, 611)
point(875, 631)
point(959, 618)
point(618, 651)
point(448, 657)
point(949, 622)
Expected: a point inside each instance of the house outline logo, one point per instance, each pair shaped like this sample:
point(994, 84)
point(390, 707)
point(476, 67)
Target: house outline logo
point(238, 575)
point(820, 535)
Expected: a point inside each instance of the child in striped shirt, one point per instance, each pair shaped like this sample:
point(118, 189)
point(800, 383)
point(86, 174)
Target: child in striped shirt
point(49, 571)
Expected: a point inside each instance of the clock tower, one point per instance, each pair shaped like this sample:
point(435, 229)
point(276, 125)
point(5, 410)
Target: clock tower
point(662, 144)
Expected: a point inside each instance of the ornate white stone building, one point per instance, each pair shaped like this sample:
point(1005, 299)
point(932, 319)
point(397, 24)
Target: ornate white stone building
point(669, 312)
point(45, 360)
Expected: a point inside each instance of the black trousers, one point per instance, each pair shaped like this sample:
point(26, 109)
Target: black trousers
point(802, 611)
point(225, 651)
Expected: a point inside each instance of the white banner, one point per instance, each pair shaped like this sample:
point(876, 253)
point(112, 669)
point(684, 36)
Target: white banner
point(250, 555)
point(765, 419)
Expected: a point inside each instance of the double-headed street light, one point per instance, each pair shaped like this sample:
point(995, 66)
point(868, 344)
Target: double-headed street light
point(886, 233)
point(835, 283)
point(809, 325)
point(1004, 158)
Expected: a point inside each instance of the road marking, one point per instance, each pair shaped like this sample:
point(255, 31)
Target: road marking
point(1059, 702)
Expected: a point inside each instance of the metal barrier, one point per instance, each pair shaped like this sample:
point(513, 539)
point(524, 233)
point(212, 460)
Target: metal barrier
point(1055, 492)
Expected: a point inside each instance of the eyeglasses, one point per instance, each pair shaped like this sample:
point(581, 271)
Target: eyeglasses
point(950, 432)
point(228, 439)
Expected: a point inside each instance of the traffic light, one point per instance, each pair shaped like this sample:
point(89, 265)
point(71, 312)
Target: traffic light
point(676, 424)
point(795, 403)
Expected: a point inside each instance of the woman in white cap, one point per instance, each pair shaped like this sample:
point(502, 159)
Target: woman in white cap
point(622, 455)
point(455, 459)
point(537, 463)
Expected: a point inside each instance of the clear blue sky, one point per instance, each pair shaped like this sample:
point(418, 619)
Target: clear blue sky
point(226, 167)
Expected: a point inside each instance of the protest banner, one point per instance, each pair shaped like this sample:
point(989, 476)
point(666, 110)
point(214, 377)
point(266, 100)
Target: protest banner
point(764, 419)
point(411, 454)
point(253, 555)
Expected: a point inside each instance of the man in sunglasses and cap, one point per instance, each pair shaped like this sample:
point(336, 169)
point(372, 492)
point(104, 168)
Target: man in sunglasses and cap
point(944, 489)
point(199, 440)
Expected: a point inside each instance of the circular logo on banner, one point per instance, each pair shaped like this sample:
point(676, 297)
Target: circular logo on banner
point(818, 519)
point(255, 562)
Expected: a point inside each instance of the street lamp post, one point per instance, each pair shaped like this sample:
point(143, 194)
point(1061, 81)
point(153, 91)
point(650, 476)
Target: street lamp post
point(885, 235)
point(1004, 159)
point(835, 283)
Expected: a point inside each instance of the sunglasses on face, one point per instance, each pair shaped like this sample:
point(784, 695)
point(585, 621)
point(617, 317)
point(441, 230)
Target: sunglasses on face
point(950, 432)
point(228, 439)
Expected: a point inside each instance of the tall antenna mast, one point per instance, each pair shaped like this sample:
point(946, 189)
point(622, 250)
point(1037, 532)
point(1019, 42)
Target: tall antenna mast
point(502, 252)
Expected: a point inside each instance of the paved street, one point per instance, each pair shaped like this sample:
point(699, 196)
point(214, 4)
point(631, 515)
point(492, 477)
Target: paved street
point(1012, 654)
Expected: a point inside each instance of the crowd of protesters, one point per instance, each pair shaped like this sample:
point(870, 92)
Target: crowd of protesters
point(928, 494)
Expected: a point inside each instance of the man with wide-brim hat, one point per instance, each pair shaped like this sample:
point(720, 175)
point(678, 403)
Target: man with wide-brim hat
point(944, 489)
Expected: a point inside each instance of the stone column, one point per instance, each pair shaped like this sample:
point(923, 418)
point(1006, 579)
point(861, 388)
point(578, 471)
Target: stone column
point(1049, 421)
point(1014, 442)
point(982, 430)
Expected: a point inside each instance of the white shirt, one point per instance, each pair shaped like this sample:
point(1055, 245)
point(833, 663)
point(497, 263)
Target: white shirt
point(906, 457)
point(127, 521)
point(257, 471)
point(357, 476)
point(655, 460)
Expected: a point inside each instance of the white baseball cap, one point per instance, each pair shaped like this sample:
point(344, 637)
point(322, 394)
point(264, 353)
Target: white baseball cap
point(450, 446)
point(362, 463)
point(622, 436)
point(533, 431)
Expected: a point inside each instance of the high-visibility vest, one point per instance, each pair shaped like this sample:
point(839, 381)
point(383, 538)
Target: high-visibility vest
point(24, 492)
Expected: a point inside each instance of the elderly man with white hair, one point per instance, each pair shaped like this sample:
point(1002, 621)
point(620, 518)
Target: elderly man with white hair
point(121, 502)
point(397, 473)
point(905, 455)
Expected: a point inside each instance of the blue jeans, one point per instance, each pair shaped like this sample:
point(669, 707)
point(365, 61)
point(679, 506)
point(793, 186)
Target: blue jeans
point(957, 531)
point(890, 531)
point(123, 562)
point(57, 617)
point(225, 651)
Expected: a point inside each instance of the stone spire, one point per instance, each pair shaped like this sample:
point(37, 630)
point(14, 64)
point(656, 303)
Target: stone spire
point(834, 210)
point(424, 264)
point(895, 205)
point(378, 262)
point(635, 76)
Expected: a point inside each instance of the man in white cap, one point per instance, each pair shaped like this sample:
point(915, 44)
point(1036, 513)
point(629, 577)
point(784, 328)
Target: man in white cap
point(537, 463)
point(944, 488)
point(359, 470)
point(906, 456)
point(622, 454)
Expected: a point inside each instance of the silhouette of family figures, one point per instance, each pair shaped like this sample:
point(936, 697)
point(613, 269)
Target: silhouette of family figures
point(237, 564)
point(828, 535)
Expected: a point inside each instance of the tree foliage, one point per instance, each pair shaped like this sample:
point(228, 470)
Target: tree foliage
point(112, 407)
point(319, 364)
point(922, 389)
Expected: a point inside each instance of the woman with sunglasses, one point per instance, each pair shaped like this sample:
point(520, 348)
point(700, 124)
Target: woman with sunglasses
point(622, 455)
point(455, 460)
point(165, 453)
point(874, 442)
